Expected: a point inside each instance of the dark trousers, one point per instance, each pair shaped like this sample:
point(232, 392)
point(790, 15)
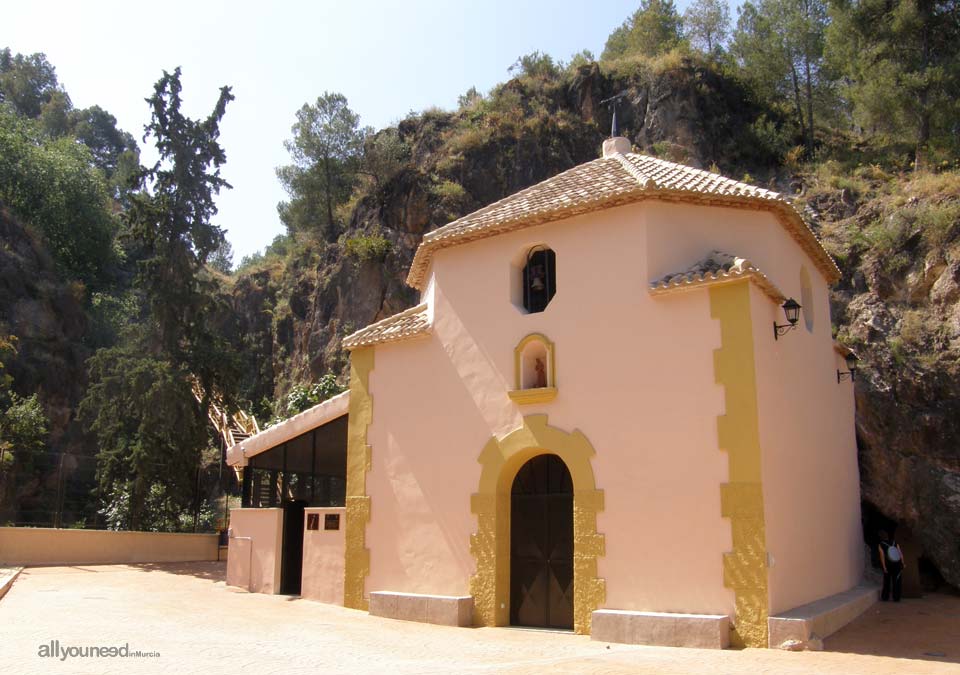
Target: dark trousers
point(892, 577)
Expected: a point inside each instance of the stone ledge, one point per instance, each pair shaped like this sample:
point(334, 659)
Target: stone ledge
point(445, 610)
point(704, 631)
point(805, 624)
point(7, 576)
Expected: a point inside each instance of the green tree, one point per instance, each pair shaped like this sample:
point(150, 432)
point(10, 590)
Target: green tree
point(536, 64)
point(24, 430)
point(170, 221)
point(139, 403)
point(51, 186)
point(469, 98)
point(384, 154)
point(326, 149)
point(706, 23)
point(779, 45)
point(582, 58)
point(27, 82)
point(149, 430)
point(97, 129)
point(653, 29)
point(222, 258)
point(901, 59)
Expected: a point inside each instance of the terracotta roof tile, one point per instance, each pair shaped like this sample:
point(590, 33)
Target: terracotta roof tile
point(716, 268)
point(612, 181)
point(407, 324)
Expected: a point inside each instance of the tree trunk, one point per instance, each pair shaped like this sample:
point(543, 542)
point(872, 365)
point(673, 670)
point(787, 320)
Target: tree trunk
point(806, 64)
point(797, 102)
point(923, 96)
point(923, 132)
point(328, 173)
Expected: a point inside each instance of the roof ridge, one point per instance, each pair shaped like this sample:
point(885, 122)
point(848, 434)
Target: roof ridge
point(645, 181)
point(439, 233)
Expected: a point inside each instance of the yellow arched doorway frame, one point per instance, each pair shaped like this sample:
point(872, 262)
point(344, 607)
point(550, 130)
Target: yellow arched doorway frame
point(500, 460)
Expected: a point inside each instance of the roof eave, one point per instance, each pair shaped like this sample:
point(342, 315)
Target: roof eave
point(788, 216)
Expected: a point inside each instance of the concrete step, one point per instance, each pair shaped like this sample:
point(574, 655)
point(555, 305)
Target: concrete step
point(806, 624)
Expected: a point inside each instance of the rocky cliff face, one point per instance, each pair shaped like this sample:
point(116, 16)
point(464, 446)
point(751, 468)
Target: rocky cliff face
point(898, 305)
point(48, 319)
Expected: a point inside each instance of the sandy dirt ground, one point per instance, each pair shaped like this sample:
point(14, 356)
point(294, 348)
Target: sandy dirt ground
point(196, 624)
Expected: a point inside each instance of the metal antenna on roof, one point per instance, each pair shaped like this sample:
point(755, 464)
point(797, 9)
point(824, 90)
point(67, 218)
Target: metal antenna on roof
point(613, 101)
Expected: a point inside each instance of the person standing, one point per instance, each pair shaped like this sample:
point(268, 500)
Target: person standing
point(891, 560)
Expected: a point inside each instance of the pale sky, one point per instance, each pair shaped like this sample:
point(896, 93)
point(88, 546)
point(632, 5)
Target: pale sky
point(387, 58)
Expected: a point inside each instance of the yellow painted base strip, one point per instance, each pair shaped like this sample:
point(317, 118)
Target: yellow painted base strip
point(738, 432)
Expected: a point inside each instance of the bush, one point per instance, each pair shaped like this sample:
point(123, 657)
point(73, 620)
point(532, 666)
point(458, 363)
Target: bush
point(367, 248)
point(303, 396)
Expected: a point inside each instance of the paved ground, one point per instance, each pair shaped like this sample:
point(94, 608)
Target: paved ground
point(198, 625)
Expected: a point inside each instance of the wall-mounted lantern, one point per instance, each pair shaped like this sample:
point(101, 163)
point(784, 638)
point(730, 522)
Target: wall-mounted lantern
point(791, 308)
point(851, 360)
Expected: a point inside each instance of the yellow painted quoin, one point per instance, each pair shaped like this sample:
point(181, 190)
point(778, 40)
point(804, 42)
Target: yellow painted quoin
point(356, 554)
point(741, 500)
point(490, 545)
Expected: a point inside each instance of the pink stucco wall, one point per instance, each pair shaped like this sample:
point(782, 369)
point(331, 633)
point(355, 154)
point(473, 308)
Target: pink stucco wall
point(323, 550)
point(810, 473)
point(811, 481)
point(634, 374)
point(253, 561)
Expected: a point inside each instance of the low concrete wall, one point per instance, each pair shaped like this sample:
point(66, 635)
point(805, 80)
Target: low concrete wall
point(256, 539)
point(323, 557)
point(444, 610)
point(703, 631)
point(47, 546)
point(819, 619)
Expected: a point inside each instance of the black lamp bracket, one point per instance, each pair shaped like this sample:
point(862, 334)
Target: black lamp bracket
point(779, 330)
point(842, 375)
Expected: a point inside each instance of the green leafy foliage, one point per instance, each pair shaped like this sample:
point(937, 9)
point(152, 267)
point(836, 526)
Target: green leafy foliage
point(27, 83)
point(536, 64)
point(778, 46)
point(326, 149)
point(139, 403)
point(149, 429)
point(51, 185)
point(706, 23)
point(367, 247)
point(170, 223)
point(655, 28)
point(23, 428)
point(304, 396)
point(901, 62)
point(384, 154)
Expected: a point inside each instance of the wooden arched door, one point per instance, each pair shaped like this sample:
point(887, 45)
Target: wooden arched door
point(541, 544)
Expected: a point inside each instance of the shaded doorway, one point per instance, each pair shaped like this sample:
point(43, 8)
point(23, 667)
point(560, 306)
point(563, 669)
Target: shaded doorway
point(541, 545)
point(291, 560)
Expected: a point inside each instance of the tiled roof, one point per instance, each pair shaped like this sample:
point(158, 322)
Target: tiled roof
point(716, 268)
point(612, 181)
point(408, 323)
